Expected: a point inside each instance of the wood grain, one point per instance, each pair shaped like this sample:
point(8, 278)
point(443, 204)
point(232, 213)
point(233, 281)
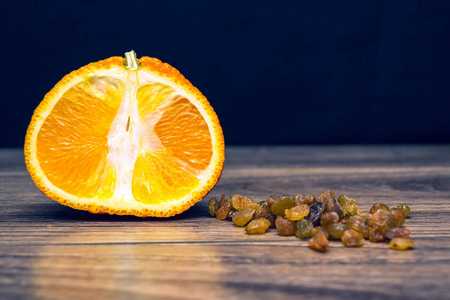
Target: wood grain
point(48, 251)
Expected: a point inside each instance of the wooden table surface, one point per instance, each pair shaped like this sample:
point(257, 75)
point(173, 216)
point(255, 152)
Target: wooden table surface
point(48, 251)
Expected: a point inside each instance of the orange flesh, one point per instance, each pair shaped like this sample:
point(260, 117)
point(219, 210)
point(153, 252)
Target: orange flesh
point(72, 144)
point(150, 97)
point(183, 131)
point(74, 136)
point(158, 177)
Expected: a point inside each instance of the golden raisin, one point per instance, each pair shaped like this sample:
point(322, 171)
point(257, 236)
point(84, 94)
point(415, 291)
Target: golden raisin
point(383, 219)
point(401, 243)
point(257, 226)
point(326, 195)
point(319, 229)
point(352, 238)
point(239, 202)
point(377, 206)
point(281, 204)
point(223, 199)
point(358, 223)
point(319, 242)
point(336, 230)
point(328, 218)
point(398, 232)
point(349, 205)
point(213, 206)
point(304, 199)
point(398, 215)
point(284, 226)
point(405, 209)
point(376, 234)
point(224, 210)
point(297, 212)
point(243, 216)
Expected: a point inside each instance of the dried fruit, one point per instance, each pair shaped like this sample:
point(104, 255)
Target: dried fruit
point(321, 230)
point(318, 242)
point(383, 219)
point(304, 199)
point(347, 223)
point(264, 208)
point(271, 200)
point(401, 243)
point(272, 218)
point(265, 212)
point(284, 226)
point(349, 205)
point(303, 229)
point(336, 230)
point(405, 209)
point(224, 209)
point(398, 215)
point(239, 202)
point(281, 204)
point(376, 234)
point(223, 198)
point(359, 211)
point(366, 217)
point(213, 206)
point(352, 238)
point(315, 212)
point(275, 198)
point(243, 216)
point(269, 217)
point(358, 223)
point(328, 218)
point(397, 233)
point(326, 195)
point(297, 212)
point(331, 205)
point(377, 206)
point(257, 226)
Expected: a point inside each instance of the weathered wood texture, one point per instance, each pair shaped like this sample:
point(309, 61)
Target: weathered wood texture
point(48, 251)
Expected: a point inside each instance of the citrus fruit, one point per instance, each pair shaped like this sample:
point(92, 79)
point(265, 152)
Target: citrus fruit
point(125, 136)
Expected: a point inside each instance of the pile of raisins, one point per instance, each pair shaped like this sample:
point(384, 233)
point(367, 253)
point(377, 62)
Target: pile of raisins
point(318, 219)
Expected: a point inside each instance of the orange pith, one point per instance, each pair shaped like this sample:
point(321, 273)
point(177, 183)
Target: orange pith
point(109, 139)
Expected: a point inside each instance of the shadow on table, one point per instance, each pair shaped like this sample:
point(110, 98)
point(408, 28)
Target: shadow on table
point(56, 212)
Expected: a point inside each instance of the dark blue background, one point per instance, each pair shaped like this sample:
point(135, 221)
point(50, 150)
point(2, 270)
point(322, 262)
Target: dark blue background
point(276, 72)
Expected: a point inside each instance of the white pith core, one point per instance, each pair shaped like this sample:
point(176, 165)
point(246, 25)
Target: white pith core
point(125, 145)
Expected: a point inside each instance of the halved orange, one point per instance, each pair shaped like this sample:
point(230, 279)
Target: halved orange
point(127, 137)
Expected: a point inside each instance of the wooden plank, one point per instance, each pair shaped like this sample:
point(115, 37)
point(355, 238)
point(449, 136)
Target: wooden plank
point(30, 209)
point(228, 270)
point(54, 252)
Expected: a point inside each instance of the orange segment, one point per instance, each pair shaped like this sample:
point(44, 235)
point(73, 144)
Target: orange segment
point(184, 132)
point(166, 175)
point(75, 135)
point(159, 177)
point(150, 97)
